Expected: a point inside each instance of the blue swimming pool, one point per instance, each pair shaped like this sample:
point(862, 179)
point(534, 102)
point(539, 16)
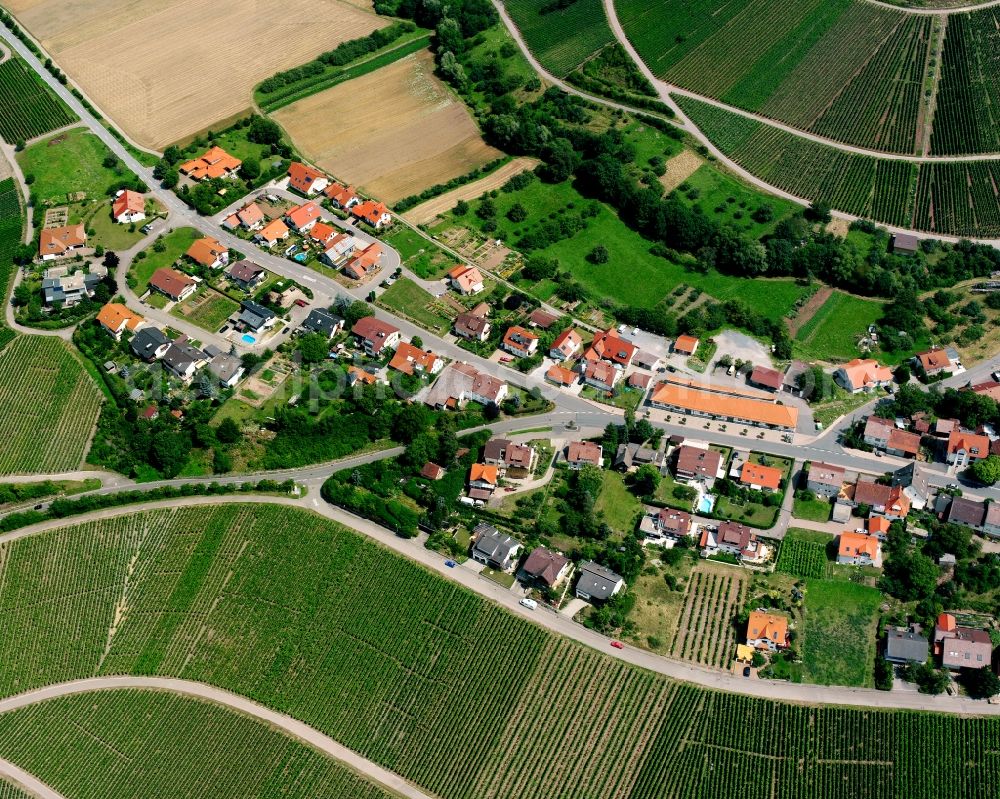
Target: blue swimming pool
point(248, 339)
point(706, 503)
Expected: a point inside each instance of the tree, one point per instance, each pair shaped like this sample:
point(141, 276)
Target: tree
point(313, 347)
point(250, 168)
point(417, 342)
point(980, 683)
point(599, 255)
point(517, 213)
point(263, 131)
point(987, 470)
point(647, 480)
point(410, 422)
point(491, 412)
point(461, 208)
point(883, 674)
point(171, 177)
point(818, 212)
point(641, 431)
point(228, 431)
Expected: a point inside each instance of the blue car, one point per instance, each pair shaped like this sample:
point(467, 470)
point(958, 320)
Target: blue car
point(450, 564)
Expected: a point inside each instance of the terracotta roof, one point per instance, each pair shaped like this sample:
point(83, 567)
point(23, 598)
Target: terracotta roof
point(374, 331)
point(341, 195)
point(250, 214)
point(934, 360)
point(685, 344)
point(363, 262)
point(878, 427)
point(370, 211)
point(892, 498)
point(720, 405)
point(273, 231)
point(567, 342)
point(114, 315)
point(542, 319)
point(301, 215)
point(322, 232)
point(763, 376)
point(864, 372)
point(946, 622)
point(561, 375)
point(361, 375)
point(215, 163)
point(602, 372)
point(608, 345)
point(432, 471)
point(467, 277)
point(852, 545)
point(408, 359)
point(768, 626)
point(758, 474)
point(518, 338)
point(302, 176)
point(990, 388)
point(640, 380)
point(57, 240)
point(719, 388)
point(206, 251)
point(878, 525)
point(480, 472)
point(170, 281)
point(128, 202)
point(977, 446)
point(904, 441)
point(584, 452)
point(677, 522)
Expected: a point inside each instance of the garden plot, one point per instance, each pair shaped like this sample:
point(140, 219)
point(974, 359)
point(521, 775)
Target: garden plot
point(706, 632)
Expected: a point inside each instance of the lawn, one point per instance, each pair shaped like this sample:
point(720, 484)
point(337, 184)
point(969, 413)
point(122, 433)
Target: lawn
point(752, 514)
point(657, 608)
point(833, 331)
point(107, 232)
point(176, 243)
point(619, 507)
point(413, 302)
point(70, 162)
point(814, 510)
point(665, 493)
point(632, 276)
point(840, 404)
point(419, 255)
point(207, 309)
point(625, 398)
point(728, 201)
point(838, 640)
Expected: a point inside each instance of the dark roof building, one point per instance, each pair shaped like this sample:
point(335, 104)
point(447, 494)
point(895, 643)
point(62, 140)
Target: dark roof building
point(904, 645)
point(494, 548)
point(149, 343)
point(545, 566)
point(256, 316)
point(322, 321)
point(597, 583)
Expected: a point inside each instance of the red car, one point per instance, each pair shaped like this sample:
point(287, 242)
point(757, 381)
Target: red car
point(301, 303)
point(617, 644)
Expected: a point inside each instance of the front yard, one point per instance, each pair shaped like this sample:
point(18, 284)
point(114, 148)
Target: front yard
point(164, 252)
point(207, 309)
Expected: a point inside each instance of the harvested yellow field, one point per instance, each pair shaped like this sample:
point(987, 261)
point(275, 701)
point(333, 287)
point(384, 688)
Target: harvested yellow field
point(392, 132)
point(679, 169)
point(166, 69)
point(425, 212)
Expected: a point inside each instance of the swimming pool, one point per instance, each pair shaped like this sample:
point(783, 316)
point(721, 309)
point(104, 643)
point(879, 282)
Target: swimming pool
point(706, 503)
point(248, 339)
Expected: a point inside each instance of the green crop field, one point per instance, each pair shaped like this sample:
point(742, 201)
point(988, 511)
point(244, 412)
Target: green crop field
point(839, 632)
point(10, 791)
point(70, 162)
point(48, 406)
point(947, 198)
point(967, 119)
point(11, 225)
point(561, 38)
point(803, 553)
point(132, 744)
point(319, 622)
point(834, 330)
point(28, 108)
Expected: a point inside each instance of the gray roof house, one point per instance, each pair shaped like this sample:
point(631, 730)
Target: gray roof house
point(149, 343)
point(496, 550)
point(322, 321)
point(632, 456)
point(905, 645)
point(915, 482)
point(183, 360)
point(226, 368)
point(68, 290)
point(597, 583)
point(256, 317)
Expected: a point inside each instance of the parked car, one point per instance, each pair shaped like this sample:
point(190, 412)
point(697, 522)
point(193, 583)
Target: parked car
point(530, 604)
point(617, 644)
point(450, 564)
point(746, 671)
point(301, 303)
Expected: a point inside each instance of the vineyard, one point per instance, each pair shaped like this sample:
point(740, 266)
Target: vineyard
point(967, 118)
point(851, 71)
point(802, 555)
point(706, 633)
point(319, 622)
point(961, 199)
point(48, 406)
point(10, 791)
point(562, 35)
point(28, 108)
point(146, 744)
point(10, 231)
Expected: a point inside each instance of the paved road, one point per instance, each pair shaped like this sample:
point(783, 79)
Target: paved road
point(27, 781)
point(291, 726)
point(414, 550)
point(935, 11)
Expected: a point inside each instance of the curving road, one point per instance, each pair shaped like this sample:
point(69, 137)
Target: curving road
point(933, 11)
point(291, 726)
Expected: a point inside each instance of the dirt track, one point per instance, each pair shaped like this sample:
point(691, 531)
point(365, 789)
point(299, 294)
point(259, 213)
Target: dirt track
point(427, 211)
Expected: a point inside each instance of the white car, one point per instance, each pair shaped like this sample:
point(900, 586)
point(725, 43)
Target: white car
point(530, 604)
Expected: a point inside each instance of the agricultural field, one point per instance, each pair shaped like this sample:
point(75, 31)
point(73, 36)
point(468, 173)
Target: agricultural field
point(189, 66)
point(68, 163)
point(852, 71)
point(834, 329)
point(410, 133)
point(11, 225)
point(803, 553)
point(948, 198)
point(381, 657)
point(838, 632)
point(706, 632)
point(28, 108)
point(967, 119)
point(133, 744)
point(9, 790)
point(561, 34)
point(48, 406)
